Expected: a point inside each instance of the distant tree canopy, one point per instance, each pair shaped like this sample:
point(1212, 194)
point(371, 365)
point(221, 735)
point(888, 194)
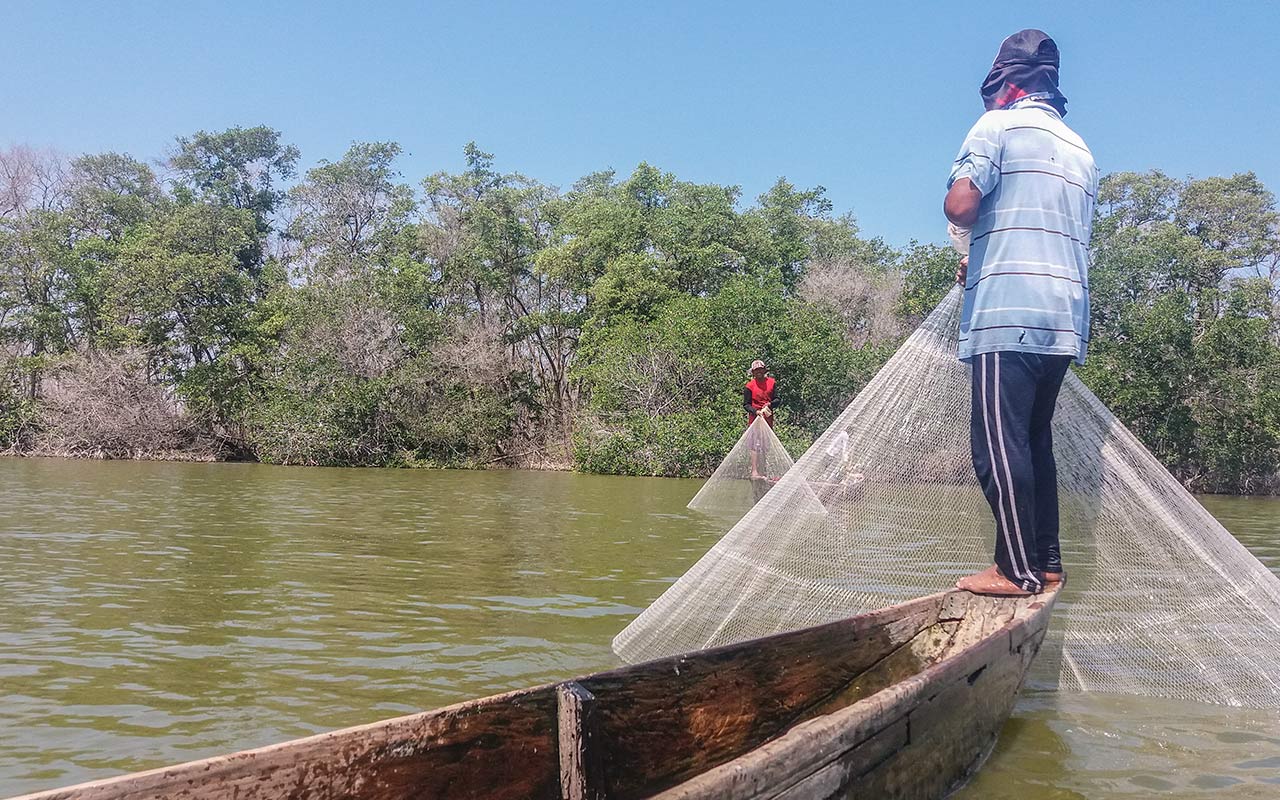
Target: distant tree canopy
point(348, 316)
point(1186, 341)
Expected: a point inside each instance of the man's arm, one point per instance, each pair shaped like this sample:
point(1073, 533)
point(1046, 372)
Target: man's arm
point(976, 171)
point(961, 205)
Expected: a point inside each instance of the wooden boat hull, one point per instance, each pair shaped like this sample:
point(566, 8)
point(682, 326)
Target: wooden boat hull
point(920, 737)
point(901, 702)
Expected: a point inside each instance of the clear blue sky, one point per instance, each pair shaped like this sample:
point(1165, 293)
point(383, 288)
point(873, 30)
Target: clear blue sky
point(868, 100)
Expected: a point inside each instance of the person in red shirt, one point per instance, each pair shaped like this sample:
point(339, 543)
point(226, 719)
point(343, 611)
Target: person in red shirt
point(760, 394)
point(759, 398)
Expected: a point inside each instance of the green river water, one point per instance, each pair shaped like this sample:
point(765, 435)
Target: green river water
point(154, 613)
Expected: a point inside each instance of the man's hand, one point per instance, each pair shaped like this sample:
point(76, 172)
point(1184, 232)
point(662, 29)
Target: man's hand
point(963, 270)
point(768, 412)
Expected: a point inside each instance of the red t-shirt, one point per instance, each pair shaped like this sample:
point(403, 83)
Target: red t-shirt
point(761, 394)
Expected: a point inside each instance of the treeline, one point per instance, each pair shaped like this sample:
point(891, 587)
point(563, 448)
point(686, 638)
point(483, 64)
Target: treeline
point(221, 306)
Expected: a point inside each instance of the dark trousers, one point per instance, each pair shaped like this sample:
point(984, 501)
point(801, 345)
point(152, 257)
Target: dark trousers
point(1014, 395)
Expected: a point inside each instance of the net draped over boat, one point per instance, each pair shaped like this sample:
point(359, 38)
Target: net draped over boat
point(1161, 600)
point(754, 465)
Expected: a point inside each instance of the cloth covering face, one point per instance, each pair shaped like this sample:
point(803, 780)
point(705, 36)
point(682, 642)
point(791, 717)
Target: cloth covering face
point(1026, 66)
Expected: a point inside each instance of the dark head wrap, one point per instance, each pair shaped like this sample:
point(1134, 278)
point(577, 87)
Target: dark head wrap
point(1027, 65)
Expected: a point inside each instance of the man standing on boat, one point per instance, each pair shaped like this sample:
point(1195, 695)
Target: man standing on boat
point(1020, 203)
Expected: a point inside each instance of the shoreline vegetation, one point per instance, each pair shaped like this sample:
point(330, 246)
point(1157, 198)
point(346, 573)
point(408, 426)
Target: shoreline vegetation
point(218, 305)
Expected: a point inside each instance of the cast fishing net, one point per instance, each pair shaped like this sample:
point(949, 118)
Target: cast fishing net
point(1161, 599)
point(753, 467)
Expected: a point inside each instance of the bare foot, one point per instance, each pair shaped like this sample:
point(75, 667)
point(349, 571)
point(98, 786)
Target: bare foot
point(990, 581)
point(1051, 578)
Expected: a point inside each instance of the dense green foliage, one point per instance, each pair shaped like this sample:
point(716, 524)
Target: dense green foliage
point(239, 309)
point(1186, 317)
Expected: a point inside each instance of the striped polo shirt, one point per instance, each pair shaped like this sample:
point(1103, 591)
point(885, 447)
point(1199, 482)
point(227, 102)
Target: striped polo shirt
point(1027, 288)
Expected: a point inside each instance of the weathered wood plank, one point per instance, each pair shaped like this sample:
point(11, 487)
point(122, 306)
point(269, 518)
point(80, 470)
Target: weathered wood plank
point(500, 747)
point(806, 748)
point(581, 775)
point(950, 713)
point(908, 660)
point(669, 720)
point(834, 779)
point(954, 729)
point(982, 617)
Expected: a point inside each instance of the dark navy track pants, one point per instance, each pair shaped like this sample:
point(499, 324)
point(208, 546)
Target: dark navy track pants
point(1014, 395)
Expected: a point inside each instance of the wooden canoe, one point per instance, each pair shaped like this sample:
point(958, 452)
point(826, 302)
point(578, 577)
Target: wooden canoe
point(901, 702)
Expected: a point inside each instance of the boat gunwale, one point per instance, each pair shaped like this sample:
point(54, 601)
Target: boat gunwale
point(211, 766)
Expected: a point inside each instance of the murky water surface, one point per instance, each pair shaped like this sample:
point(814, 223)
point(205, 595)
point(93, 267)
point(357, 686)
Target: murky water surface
point(155, 613)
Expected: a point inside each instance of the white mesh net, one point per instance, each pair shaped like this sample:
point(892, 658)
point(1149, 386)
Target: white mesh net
point(1161, 599)
point(753, 467)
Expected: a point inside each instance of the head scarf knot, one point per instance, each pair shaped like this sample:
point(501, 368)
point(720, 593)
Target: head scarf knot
point(1026, 66)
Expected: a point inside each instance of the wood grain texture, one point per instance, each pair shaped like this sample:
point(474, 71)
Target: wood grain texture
point(668, 720)
point(581, 777)
point(917, 737)
point(500, 747)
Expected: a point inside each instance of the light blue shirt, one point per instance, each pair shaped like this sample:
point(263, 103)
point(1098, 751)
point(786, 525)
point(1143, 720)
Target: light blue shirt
point(1027, 288)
